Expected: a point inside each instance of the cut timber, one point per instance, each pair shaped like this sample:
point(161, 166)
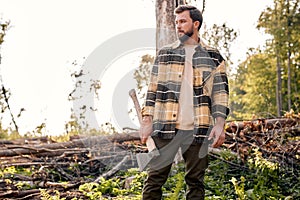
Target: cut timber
point(59, 148)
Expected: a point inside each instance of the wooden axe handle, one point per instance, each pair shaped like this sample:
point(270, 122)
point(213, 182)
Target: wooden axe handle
point(136, 103)
point(150, 143)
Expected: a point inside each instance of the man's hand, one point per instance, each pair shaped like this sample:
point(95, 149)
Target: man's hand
point(217, 133)
point(146, 128)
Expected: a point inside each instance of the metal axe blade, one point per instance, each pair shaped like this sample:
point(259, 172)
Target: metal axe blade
point(143, 159)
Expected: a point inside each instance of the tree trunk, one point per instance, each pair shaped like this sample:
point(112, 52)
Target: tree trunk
point(165, 26)
point(289, 79)
point(279, 85)
point(279, 68)
point(289, 55)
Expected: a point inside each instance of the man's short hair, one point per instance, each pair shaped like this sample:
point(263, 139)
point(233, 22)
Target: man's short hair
point(195, 13)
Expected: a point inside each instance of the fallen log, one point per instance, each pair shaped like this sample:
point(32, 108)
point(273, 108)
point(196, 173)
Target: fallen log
point(19, 193)
point(59, 148)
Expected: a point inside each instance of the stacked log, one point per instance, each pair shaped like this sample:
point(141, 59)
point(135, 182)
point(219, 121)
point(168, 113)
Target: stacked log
point(80, 160)
point(277, 139)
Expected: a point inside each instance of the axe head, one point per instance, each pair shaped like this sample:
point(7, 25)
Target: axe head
point(143, 159)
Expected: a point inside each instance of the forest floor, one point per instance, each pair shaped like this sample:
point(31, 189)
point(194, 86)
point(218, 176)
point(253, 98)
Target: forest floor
point(31, 167)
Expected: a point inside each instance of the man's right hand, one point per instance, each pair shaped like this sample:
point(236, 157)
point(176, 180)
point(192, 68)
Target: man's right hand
point(146, 128)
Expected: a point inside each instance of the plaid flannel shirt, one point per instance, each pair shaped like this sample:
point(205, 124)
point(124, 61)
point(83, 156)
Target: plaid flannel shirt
point(210, 87)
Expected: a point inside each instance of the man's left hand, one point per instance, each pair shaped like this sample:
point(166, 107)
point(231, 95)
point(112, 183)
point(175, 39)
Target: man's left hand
point(217, 133)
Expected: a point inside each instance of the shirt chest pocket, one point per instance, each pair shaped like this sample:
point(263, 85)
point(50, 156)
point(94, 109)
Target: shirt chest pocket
point(200, 75)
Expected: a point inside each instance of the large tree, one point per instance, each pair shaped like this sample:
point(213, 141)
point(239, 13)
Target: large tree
point(165, 27)
point(282, 21)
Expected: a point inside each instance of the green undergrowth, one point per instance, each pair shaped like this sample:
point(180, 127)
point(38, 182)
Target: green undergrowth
point(257, 179)
point(227, 177)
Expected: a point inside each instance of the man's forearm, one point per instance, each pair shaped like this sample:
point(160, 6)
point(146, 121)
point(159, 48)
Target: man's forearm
point(220, 121)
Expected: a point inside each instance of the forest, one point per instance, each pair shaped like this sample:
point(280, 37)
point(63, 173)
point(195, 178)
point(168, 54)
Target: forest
point(260, 158)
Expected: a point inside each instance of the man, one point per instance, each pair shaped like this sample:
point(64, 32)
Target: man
point(186, 106)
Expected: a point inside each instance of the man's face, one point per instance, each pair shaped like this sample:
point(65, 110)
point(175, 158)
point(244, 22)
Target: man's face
point(184, 25)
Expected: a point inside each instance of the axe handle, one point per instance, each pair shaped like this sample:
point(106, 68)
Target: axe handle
point(150, 142)
point(136, 103)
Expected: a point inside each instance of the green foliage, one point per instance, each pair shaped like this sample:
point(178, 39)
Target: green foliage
point(115, 187)
point(175, 186)
point(265, 182)
point(218, 176)
point(8, 133)
point(261, 163)
point(259, 178)
point(136, 184)
point(8, 174)
point(8, 170)
point(46, 196)
point(239, 189)
point(263, 78)
point(281, 21)
point(227, 178)
point(252, 90)
point(23, 185)
point(90, 190)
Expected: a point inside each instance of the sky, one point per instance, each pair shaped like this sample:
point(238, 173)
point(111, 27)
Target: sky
point(46, 37)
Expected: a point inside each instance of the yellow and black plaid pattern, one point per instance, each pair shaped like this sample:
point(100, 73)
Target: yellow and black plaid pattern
point(210, 86)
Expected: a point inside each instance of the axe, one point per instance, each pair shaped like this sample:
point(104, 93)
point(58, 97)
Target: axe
point(143, 159)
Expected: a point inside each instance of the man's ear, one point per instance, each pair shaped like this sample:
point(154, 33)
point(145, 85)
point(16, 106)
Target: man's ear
point(196, 24)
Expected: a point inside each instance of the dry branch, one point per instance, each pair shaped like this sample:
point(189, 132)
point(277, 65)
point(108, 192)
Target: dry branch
point(114, 170)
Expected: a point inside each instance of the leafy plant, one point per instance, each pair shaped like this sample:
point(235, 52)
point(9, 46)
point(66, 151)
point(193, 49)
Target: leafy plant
point(91, 190)
point(264, 181)
point(174, 188)
point(178, 188)
point(239, 189)
point(46, 196)
point(8, 170)
point(114, 187)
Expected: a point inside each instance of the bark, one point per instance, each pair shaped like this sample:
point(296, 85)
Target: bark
point(165, 18)
point(278, 86)
point(279, 69)
point(289, 55)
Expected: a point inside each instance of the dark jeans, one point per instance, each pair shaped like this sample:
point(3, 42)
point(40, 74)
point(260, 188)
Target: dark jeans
point(195, 166)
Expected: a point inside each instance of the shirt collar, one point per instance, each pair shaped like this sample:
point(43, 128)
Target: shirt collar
point(178, 43)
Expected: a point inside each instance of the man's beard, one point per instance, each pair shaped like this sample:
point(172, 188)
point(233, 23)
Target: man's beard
point(186, 35)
